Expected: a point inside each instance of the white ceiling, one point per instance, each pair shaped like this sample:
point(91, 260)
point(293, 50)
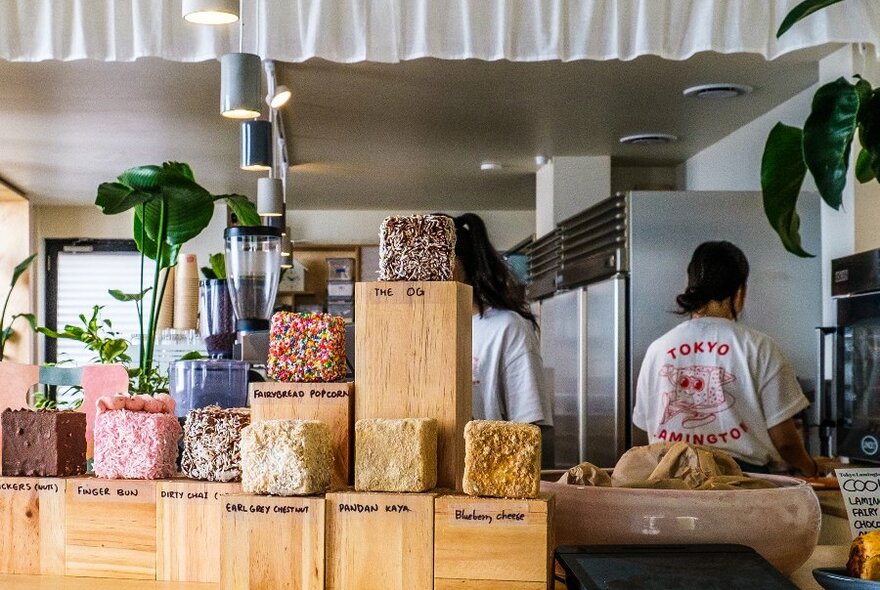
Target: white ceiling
point(408, 135)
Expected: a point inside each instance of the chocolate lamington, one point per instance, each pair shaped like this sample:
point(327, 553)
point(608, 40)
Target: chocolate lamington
point(43, 443)
point(417, 248)
point(212, 443)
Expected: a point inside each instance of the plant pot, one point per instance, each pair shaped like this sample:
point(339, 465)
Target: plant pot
point(217, 322)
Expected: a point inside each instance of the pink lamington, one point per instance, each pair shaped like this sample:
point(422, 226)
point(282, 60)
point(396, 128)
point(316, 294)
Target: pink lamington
point(136, 438)
point(306, 347)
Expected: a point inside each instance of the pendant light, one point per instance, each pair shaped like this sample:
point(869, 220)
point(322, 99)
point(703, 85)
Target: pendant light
point(210, 12)
point(240, 85)
point(270, 197)
point(256, 145)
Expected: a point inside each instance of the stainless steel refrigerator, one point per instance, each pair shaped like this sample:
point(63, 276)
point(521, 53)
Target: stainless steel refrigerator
point(607, 280)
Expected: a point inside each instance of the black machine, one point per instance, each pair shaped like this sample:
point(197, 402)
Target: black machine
point(673, 567)
point(852, 404)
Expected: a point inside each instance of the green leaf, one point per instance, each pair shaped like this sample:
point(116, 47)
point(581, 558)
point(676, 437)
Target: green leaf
point(181, 168)
point(112, 349)
point(147, 245)
point(147, 178)
point(114, 197)
point(218, 264)
point(192, 356)
point(828, 134)
point(20, 268)
point(801, 11)
point(208, 272)
point(242, 207)
point(120, 296)
point(869, 131)
point(782, 174)
point(864, 172)
point(31, 319)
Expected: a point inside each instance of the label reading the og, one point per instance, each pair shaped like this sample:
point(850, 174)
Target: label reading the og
point(861, 496)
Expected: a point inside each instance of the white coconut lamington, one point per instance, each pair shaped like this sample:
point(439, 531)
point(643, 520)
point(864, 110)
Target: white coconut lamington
point(286, 457)
point(212, 441)
point(417, 248)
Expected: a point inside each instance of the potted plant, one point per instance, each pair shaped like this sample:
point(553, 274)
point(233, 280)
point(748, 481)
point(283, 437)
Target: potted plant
point(170, 208)
point(7, 331)
point(217, 319)
point(840, 109)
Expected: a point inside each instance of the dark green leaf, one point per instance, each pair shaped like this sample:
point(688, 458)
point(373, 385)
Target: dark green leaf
point(148, 246)
point(20, 268)
point(242, 207)
point(47, 332)
point(146, 178)
point(801, 11)
point(6, 334)
point(192, 356)
point(218, 264)
point(864, 172)
point(112, 350)
point(181, 168)
point(208, 272)
point(114, 197)
point(828, 134)
point(869, 131)
point(120, 296)
point(782, 174)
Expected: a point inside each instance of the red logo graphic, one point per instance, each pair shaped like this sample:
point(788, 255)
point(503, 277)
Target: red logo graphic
point(698, 394)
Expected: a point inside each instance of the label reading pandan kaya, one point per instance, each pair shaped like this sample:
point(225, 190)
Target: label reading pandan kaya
point(861, 496)
point(25, 486)
point(373, 508)
point(488, 513)
point(239, 506)
point(114, 491)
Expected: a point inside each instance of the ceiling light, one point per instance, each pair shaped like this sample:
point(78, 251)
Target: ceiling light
point(256, 145)
point(280, 98)
point(648, 139)
point(540, 160)
point(487, 165)
point(286, 245)
point(210, 12)
point(722, 90)
point(240, 85)
point(270, 200)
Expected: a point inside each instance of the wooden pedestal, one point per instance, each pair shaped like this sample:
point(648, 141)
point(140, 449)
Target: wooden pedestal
point(111, 528)
point(380, 541)
point(188, 514)
point(413, 360)
point(32, 525)
point(272, 543)
point(483, 543)
point(331, 403)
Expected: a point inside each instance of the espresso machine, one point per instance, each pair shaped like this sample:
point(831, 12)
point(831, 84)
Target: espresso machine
point(253, 268)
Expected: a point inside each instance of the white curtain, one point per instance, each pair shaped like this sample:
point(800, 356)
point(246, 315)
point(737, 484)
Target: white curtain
point(395, 30)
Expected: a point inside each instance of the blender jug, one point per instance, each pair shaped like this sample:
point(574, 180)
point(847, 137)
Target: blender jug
point(253, 267)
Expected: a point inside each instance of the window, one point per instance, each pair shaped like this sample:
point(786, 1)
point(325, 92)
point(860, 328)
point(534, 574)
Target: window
point(79, 274)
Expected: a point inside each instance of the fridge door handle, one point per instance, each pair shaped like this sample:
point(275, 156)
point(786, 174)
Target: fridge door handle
point(824, 409)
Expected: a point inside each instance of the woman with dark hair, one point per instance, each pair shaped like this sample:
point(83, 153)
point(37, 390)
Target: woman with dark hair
point(712, 381)
point(507, 367)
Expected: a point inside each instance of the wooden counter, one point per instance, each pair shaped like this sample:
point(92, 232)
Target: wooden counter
point(823, 556)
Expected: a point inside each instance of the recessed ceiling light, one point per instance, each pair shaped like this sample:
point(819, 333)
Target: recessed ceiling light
point(488, 165)
point(721, 90)
point(648, 139)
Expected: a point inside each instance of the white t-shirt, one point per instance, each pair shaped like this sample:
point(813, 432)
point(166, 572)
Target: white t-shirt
point(714, 382)
point(507, 369)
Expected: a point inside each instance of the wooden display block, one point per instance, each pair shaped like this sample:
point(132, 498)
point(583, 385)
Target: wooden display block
point(380, 541)
point(331, 403)
point(413, 360)
point(188, 515)
point(32, 525)
point(482, 543)
point(272, 543)
point(111, 528)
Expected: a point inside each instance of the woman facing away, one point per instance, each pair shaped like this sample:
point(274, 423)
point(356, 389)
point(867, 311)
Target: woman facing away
point(508, 381)
point(713, 381)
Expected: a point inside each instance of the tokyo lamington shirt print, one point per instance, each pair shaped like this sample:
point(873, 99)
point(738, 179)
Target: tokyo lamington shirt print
point(715, 382)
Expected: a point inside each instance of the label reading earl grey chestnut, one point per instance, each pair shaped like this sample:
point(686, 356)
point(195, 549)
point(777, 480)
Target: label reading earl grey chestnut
point(238, 506)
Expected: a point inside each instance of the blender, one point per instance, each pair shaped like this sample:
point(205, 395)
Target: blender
point(253, 268)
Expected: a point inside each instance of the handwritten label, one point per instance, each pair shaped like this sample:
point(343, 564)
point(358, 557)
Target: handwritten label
point(38, 486)
point(358, 508)
point(322, 393)
point(115, 492)
point(403, 293)
point(390, 291)
point(511, 513)
point(265, 509)
point(861, 496)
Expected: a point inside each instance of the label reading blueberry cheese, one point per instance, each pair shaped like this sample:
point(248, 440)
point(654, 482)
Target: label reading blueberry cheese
point(501, 513)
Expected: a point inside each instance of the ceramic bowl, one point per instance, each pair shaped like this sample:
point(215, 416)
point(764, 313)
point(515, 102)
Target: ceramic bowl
point(836, 578)
point(782, 523)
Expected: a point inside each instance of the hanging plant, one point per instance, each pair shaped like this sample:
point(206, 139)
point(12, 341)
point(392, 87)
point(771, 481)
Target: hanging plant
point(840, 109)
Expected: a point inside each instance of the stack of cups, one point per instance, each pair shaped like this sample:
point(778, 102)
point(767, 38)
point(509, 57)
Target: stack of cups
point(186, 294)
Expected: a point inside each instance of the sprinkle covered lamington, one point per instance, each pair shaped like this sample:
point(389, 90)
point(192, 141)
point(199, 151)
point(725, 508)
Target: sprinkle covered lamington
point(306, 347)
point(417, 248)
